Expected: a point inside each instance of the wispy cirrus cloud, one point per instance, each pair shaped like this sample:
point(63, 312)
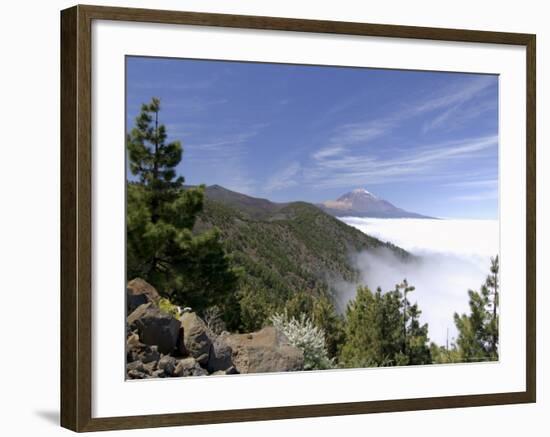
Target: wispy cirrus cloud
point(476, 189)
point(350, 168)
point(285, 177)
point(225, 152)
point(348, 158)
point(327, 152)
point(221, 140)
point(224, 142)
point(477, 197)
point(447, 104)
point(459, 114)
point(362, 132)
point(191, 106)
point(457, 93)
point(475, 183)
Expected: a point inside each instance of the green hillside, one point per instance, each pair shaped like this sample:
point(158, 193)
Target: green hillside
point(284, 248)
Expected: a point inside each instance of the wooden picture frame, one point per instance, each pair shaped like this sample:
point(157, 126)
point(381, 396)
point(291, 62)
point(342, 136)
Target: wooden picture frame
point(76, 217)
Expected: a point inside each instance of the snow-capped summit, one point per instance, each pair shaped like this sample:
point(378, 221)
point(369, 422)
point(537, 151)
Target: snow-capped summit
point(362, 203)
point(363, 191)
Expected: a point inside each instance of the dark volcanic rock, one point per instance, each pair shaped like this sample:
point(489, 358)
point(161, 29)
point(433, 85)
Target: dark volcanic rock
point(139, 370)
point(149, 354)
point(136, 374)
point(136, 314)
point(137, 351)
point(139, 292)
point(232, 371)
point(150, 367)
point(135, 365)
point(220, 355)
point(167, 364)
point(159, 373)
point(156, 328)
point(189, 367)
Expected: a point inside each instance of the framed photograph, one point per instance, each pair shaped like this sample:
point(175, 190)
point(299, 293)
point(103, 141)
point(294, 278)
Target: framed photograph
point(269, 218)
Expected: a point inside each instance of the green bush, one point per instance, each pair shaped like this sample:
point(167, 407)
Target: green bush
point(168, 307)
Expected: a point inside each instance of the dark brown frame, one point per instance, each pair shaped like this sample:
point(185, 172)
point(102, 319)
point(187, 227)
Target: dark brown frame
point(76, 221)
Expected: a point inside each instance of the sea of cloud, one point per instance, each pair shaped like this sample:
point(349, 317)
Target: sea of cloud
point(453, 256)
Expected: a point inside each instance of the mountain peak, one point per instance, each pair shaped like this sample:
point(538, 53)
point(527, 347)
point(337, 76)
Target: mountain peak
point(362, 203)
point(363, 191)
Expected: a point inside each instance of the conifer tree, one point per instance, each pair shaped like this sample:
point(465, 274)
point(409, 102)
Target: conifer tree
point(478, 332)
point(192, 270)
point(364, 331)
point(154, 161)
point(330, 322)
point(492, 285)
point(301, 302)
point(445, 354)
point(415, 339)
point(383, 329)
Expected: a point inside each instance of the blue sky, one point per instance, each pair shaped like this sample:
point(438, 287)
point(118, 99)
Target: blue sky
point(425, 141)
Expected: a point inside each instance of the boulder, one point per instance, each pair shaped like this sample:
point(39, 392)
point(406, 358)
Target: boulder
point(197, 338)
point(189, 367)
point(149, 354)
point(155, 327)
point(232, 371)
point(267, 350)
point(131, 355)
point(136, 374)
point(220, 355)
point(150, 367)
point(135, 365)
point(167, 364)
point(137, 351)
point(139, 292)
point(159, 373)
point(132, 340)
point(138, 370)
point(135, 315)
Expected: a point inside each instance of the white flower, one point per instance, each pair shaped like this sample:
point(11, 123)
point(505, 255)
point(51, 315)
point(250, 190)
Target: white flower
point(303, 334)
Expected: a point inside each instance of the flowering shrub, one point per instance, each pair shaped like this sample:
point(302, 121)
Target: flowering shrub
point(303, 334)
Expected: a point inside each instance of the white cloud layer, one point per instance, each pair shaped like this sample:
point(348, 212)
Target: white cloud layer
point(454, 257)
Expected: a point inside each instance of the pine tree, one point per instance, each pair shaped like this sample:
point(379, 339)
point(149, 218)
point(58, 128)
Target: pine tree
point(192, 270)
point(330, 322)
point(478, 332)
point(364, 331)
point(153, 160)
point(492, 285)
point(301, 302)
point(415, 339)
point(383, 329)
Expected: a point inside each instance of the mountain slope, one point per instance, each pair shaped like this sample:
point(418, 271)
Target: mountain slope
point(252, 206)
point(285, 248)
point(362, 203)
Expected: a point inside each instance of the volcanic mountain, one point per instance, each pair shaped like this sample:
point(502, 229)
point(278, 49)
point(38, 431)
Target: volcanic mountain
point(362, 203)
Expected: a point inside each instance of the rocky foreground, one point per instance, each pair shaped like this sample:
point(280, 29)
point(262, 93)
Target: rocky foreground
point(160, 344)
